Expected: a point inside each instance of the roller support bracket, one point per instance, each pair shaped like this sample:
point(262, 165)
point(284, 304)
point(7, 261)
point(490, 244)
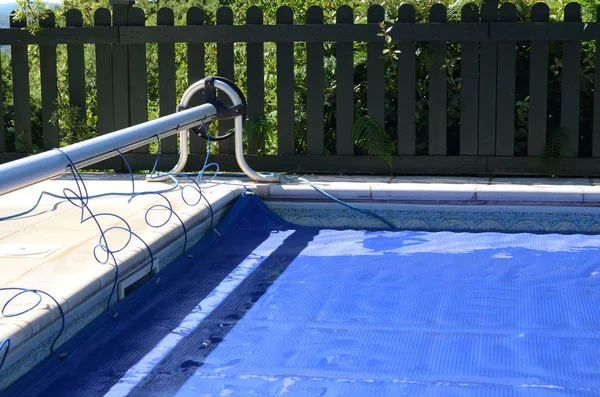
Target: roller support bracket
point(223, 112)
point(237, 112)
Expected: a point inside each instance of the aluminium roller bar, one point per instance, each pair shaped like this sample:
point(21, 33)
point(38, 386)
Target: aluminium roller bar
point(40, 167)
point(53, 163)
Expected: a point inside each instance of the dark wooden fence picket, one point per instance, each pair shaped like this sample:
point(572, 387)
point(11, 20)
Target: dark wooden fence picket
point(487, 84)
point(166, 77)
point(19, 56)
point(285, 87)
point(315, 86)
point(76, 66)
point(469, 92)
point(376, 70)
point(438, 87)
point(104, 76)
point(120, 69)
point(344, 94)
point(138, 86)
point(49, 85)
point(407, 75)
point(538, 86)
point(507, 67)
point(196, 71)
point(225, 68)
point(571, 85)
point(255, 91)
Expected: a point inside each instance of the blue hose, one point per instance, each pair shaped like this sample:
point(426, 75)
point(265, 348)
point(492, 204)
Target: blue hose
point(324, 193)
point(81, 198)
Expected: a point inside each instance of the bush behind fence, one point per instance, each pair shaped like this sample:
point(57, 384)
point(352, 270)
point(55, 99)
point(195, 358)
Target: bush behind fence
point(485, 90)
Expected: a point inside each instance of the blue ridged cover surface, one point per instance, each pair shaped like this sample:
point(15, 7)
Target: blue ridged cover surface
point(271, 309)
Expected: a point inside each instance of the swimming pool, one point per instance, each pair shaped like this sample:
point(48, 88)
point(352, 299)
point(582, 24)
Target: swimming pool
point(266, 307)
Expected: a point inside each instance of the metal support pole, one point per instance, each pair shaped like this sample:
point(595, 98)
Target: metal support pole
point(40, 167)
point(238, 137)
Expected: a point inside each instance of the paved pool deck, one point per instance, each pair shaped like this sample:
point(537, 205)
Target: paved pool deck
point(52, 250)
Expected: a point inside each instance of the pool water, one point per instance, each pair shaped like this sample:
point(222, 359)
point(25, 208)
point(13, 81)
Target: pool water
point(265, 307)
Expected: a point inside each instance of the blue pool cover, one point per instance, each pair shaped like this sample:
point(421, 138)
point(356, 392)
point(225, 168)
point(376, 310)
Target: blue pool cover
point(271, 309)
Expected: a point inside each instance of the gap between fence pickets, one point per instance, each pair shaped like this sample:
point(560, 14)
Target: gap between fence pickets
point(95, 305)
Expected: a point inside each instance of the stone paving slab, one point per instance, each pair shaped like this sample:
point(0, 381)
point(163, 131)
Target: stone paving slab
point(566, 191)
point(51, 250)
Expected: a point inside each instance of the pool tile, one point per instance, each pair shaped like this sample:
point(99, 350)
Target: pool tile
point(542, 181)
point(591, 194)
point(441, 180)
point(425, 192)
point(341, 190)
point(573, 194)
point(349, 178)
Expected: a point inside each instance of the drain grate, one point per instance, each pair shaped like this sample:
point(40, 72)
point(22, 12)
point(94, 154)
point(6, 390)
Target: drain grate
point(138, 278)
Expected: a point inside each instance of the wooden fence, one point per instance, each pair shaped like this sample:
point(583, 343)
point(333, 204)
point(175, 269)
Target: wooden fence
point(487, 39)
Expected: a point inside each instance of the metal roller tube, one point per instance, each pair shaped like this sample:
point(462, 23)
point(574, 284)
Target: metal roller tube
point(40, 167)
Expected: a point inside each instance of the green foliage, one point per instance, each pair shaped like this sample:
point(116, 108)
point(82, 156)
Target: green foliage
point(20, 142)
point(87, 8)
point(521, 123)
point(556, 144)
point(370, 138)
point(455, 9)
point(71, 125)
point(31, 12)
point(262, 129)
point(74, 124)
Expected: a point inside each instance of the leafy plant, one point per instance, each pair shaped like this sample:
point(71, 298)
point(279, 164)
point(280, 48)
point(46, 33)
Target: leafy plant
point(389, 52)
point(370, 138)
point(32, 12)
point(556, 144)
point(77, 124)
point(521, 125)
point(71, 125)
point(20, 142)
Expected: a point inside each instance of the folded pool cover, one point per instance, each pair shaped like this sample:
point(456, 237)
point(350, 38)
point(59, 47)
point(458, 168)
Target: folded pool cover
point(270, 308)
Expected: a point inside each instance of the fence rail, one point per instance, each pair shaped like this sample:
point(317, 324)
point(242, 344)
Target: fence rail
point(308, 33)
point(485, 84)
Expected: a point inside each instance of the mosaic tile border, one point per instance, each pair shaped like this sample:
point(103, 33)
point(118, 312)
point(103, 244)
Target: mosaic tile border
point(448, 218)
